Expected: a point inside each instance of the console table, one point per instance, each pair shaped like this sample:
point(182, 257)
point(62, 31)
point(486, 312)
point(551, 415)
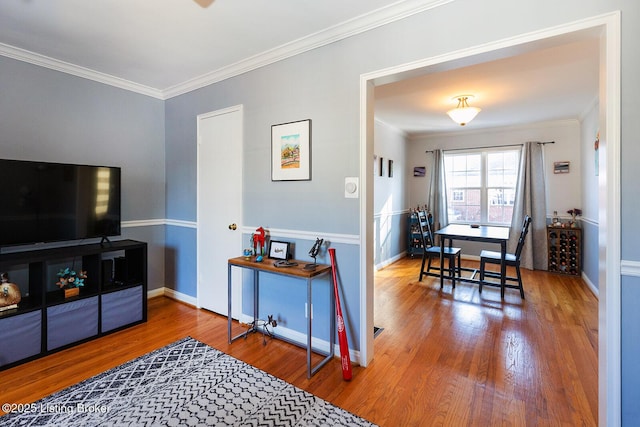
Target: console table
point(299, 272)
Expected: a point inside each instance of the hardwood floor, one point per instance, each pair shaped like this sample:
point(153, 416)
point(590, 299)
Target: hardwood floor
point(445, 357)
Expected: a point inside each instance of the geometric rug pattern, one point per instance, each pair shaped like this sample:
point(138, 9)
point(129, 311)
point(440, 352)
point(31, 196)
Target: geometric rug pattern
point(184, 383)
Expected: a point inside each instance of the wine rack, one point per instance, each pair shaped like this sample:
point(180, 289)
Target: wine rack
point(565, 250)
point(415, 237)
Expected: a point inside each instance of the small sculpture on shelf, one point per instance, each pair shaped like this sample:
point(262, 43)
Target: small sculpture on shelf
point(9, 293)
point(71, 281)
point(574, 213)
point(313, 253)
point(258, 240)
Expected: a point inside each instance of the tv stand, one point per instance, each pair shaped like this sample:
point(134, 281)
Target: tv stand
point(45, 321)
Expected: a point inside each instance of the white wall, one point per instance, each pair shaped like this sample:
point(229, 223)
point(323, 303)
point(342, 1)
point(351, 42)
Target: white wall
point(390, 194)
point(589, 179)
point(590, 200)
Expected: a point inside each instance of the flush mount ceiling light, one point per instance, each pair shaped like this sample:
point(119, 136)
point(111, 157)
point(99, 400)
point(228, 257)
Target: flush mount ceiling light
point(463, 114)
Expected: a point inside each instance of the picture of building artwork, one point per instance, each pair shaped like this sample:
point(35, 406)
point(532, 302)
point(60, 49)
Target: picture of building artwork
point(290, 152)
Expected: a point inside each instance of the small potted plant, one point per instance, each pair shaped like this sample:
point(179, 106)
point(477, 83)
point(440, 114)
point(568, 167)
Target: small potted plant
point(71, 281)
point(575, 212)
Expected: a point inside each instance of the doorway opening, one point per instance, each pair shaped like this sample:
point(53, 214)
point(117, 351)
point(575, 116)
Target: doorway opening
point(609, 183)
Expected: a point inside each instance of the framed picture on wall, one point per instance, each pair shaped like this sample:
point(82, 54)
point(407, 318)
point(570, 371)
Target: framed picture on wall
point(561, 167)
point(291, 151)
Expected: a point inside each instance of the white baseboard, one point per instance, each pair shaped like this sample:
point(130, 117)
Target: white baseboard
point(155, 293)
point(590, 285)
point(178, 296)
point(390, 261)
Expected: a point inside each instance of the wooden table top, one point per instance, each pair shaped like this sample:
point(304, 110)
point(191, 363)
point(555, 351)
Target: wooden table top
point(482, 233)
point(268, 265)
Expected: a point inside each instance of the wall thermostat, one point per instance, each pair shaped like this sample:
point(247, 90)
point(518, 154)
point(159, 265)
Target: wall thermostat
point(351, 187)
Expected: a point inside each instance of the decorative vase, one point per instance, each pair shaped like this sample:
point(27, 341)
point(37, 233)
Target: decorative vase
point(9, 293)
point(71, 292)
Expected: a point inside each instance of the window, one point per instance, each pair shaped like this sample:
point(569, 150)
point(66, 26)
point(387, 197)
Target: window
point(481, 185)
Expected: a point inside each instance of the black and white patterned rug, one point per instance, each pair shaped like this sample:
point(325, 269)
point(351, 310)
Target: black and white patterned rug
point(184, 383)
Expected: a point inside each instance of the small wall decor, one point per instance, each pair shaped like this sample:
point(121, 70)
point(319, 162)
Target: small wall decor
point(561, 167)
point(278, 250)
point(419, 171)
point(390, 168)
point(291, 151)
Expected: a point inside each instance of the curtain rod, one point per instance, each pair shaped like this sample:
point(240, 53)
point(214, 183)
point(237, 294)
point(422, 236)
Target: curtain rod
point(492, 146)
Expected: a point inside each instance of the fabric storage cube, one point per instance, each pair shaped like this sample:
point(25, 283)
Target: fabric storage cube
point(21, 337)
point(71, 322)
point(121, 308)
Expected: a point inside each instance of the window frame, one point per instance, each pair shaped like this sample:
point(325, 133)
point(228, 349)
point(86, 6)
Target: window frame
point(483, 187)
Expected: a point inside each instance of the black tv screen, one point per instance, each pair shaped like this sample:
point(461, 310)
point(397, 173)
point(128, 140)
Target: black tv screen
point(50, 202)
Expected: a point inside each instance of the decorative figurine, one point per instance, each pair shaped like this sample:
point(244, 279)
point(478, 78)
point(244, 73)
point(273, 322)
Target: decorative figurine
point(313, 253)
point(9, 293)
point(258, 238)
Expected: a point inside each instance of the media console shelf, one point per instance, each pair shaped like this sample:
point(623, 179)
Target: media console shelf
point(113, 297)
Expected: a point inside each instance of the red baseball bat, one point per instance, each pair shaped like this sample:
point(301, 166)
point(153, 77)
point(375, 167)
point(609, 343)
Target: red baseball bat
point(345, 359)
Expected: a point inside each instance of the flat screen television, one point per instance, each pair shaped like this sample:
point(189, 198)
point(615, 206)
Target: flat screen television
point(50, 202)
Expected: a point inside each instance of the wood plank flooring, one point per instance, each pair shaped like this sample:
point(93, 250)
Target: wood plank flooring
point(445, 357)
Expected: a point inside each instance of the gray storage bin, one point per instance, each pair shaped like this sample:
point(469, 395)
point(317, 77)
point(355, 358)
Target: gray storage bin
point(121, 308)
point(20, 337)
point(71, 322)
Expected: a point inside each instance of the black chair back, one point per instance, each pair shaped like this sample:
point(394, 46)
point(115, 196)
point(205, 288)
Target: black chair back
point(425, 229)
point(523, 234)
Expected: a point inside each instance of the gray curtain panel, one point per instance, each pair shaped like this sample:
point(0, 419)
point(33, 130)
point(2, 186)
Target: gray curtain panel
point(531, 200)
point(438, 192)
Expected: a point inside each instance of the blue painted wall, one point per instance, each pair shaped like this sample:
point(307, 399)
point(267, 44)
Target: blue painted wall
point(590, 261)
point(180, 259)
point(630, 349)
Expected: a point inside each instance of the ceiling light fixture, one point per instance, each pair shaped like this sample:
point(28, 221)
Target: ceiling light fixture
point(463, 114)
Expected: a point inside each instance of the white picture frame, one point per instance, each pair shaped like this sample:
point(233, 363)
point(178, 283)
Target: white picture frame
point(291, 151)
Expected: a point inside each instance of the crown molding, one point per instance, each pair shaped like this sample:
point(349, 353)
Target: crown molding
point(352, 27)
point(366, 22)
point(76, 70)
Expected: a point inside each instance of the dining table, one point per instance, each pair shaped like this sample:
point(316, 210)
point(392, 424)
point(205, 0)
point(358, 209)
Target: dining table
point(478, 233)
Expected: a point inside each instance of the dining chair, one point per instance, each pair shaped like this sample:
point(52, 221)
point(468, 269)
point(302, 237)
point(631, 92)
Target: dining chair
point(511, 259)
point(430, 251)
